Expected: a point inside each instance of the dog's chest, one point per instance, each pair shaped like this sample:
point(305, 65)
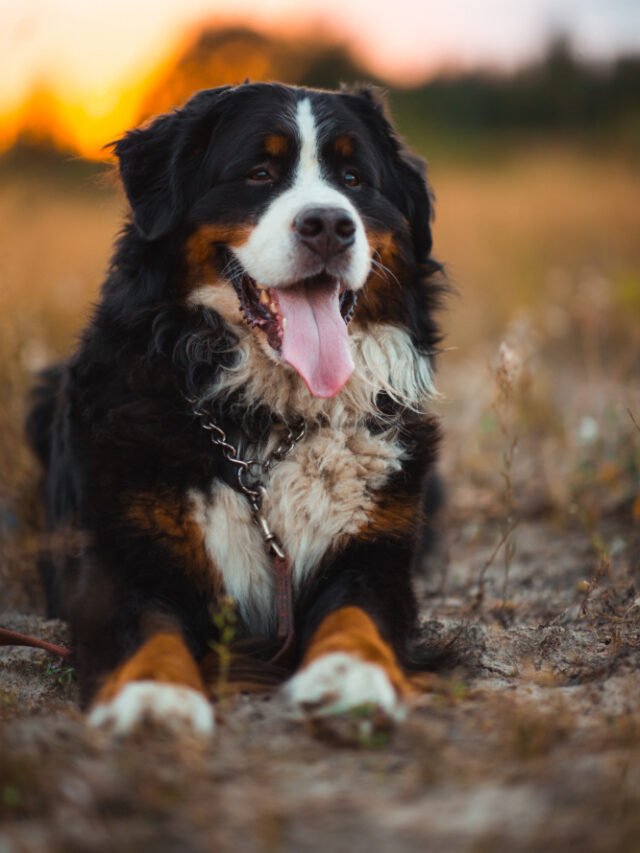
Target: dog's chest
point(317, 497)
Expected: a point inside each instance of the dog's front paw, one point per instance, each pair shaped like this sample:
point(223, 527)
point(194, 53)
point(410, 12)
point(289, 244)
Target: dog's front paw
point(341, 685)
point(170, 706)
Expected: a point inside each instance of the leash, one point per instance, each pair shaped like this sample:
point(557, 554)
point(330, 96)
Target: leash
point(255, 493)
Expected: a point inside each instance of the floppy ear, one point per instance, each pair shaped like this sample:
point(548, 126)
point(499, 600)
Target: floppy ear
point(418, 201)
point(409, 181)
point(158, 163)
point(148, 167)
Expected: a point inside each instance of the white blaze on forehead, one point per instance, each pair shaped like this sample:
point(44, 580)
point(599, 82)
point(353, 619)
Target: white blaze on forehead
point(308, 164)
point(272, 254)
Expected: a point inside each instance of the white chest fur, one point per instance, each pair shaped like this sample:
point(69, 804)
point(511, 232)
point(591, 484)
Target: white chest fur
point(319, 495)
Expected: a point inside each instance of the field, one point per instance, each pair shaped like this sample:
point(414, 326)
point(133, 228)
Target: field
point(532, 741)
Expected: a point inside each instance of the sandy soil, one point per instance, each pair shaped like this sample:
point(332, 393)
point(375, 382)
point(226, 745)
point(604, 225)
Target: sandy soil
point(531, 743)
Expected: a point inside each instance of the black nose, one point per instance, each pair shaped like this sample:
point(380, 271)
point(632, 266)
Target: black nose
point(326, 231)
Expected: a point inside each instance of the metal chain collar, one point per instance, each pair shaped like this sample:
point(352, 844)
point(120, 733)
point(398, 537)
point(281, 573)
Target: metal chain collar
point(256, 490)
point(255, 493)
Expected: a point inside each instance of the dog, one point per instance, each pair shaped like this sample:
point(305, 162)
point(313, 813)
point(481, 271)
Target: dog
point(245, 422)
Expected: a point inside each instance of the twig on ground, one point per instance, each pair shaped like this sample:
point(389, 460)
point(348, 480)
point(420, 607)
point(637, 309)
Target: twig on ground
point(479, 596)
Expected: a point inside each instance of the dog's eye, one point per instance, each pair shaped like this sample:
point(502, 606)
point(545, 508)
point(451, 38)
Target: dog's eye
point(260, 175)
point(351, 178)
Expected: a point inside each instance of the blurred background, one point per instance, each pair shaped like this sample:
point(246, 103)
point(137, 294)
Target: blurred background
point(529, 116)
point(528, 112)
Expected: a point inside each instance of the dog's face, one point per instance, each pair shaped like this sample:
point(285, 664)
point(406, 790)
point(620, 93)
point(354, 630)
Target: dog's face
point(296, 210)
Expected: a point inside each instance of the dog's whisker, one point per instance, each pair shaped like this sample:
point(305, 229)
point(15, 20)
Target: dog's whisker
point(387, 273)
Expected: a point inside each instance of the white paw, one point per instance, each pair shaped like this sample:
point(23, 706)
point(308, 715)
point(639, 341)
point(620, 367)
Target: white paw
point(339, 683)
point(179, 709)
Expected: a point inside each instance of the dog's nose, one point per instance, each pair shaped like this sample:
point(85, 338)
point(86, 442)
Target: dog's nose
point(326, 231)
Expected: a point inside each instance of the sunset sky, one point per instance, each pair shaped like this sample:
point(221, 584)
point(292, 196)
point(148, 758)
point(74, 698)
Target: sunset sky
point(95, 57)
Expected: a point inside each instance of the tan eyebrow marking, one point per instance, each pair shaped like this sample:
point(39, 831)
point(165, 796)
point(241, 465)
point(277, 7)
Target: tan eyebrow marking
point(276, 144)
point(343, 145)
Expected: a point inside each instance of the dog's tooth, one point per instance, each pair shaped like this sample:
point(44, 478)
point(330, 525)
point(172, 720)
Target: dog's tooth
point(264, 297)
point(284, 323)
point(273, 308)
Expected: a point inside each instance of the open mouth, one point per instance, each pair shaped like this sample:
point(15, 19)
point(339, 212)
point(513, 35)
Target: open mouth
point(306, 324)
point(261, 305)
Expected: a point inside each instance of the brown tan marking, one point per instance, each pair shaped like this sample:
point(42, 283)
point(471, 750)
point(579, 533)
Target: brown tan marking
point(164, 658)
point(343, 145)
point(168, 520)
point(352, 631)
point(275, 144)
point(201, 244)
point(384, 243)
point(381, 299)
point(392, 516)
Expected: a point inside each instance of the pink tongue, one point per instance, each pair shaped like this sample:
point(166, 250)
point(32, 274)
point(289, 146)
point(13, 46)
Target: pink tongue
point(315, 340)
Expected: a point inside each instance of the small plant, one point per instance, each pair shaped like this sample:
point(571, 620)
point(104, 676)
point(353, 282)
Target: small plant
point(58, 672)
point(364, 726)
point(10, 796)
point(451, 692)
point(370, 729)
point(506, 374)
point(225, 620)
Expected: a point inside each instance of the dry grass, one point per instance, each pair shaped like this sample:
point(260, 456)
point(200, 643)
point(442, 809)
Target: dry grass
point(534, 744)
point(542, 246)
point(536, 228)
point(544, 251)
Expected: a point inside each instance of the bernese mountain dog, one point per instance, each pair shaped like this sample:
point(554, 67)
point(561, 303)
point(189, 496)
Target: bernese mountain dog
point(244, 426)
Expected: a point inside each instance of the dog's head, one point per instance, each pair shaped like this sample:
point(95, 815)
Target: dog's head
point(295, 211)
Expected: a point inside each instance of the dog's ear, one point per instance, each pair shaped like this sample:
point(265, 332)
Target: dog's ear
point(408, 184)
point(158, 163)
point(147, 158)
point(418, 200)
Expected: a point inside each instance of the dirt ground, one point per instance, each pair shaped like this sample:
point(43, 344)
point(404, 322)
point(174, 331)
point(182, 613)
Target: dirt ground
point(532, 741)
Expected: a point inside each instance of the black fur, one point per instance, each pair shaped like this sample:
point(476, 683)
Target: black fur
point(113, 421)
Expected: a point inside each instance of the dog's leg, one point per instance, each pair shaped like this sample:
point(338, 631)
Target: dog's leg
point(137, 602)
point(348, 666)
point(159, 683)
point(359, 618)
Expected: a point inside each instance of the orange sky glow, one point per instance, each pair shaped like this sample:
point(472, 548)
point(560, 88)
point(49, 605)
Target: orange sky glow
point(78, 71)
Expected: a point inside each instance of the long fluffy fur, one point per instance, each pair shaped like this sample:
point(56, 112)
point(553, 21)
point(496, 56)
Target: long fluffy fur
point(163, 529)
